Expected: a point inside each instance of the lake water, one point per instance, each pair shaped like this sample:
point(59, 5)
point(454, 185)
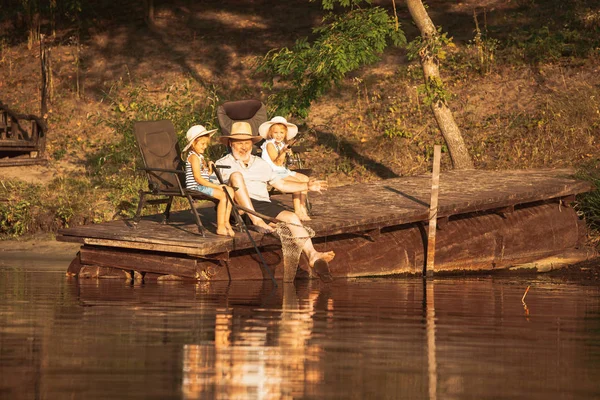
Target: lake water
point(446, 338)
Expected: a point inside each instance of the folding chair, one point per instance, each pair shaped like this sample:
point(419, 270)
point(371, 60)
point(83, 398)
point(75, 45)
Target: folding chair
point(164, 168)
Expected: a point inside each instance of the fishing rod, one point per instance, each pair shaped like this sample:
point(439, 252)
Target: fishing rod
point(241, 222)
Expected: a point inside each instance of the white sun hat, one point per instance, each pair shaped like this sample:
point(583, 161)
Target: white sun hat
point(292, 130)
point(195, 132)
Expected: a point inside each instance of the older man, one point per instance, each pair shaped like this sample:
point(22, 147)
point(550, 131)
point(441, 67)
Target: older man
point(251, 174)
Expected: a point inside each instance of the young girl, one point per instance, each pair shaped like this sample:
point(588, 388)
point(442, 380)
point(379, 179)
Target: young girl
point(278, 132)
point(198, 176)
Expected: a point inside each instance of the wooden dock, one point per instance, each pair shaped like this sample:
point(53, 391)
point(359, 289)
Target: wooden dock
point(486, 220)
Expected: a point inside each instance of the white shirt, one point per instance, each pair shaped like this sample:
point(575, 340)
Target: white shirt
point(256, 175)
point(265, 154)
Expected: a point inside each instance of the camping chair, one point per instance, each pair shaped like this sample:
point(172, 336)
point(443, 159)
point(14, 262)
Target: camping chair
point(252, 111)
point(255, 113)
point(164, 168)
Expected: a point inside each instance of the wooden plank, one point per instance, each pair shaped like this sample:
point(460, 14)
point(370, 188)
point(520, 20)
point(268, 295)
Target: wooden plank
point(179, 266)
point(13, 162)
point(157, 247)
point(16, 143)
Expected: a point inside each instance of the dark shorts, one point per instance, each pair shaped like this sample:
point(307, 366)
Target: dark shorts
point(267, 208)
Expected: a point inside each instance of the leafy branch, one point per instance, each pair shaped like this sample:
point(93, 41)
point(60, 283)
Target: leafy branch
point(430, 46)
point(344, 43)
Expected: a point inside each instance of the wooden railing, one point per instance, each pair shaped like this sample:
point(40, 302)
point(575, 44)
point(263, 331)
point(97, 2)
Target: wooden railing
point(21, 136)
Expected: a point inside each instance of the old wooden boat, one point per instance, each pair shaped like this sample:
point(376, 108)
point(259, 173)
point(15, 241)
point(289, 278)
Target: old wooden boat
point(487, 220)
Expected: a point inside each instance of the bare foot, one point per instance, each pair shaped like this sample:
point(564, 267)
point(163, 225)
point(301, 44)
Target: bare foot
point(320, 265)
point(230, 232)
point(326, 256)
point(222, 232)
point(263, 227)
point(302, 216)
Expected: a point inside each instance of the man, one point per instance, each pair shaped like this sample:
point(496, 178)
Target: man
point(250, 175)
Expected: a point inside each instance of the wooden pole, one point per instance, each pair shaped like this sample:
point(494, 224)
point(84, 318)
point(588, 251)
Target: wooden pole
point(433, 210)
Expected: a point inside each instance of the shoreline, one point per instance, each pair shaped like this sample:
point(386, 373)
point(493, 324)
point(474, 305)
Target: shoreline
point(37, 245)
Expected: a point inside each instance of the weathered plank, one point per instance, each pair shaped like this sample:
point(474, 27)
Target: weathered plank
point(179, 266)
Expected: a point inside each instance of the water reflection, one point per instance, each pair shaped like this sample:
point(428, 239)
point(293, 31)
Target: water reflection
point(380, 338)
point(253, 360)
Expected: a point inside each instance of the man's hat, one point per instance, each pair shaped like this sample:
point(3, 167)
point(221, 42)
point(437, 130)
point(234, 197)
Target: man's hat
point(240, 131)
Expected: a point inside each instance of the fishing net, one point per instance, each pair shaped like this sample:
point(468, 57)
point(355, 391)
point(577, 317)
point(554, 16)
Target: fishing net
point(291, 247)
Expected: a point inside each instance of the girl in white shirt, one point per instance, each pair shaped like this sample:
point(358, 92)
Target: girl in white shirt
point(275, 150)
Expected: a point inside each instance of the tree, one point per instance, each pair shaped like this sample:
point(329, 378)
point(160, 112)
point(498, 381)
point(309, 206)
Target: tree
point(348, 41)
point(431, 41)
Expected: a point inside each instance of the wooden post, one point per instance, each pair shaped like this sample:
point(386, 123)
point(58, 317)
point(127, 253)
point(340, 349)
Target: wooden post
point(433, 210)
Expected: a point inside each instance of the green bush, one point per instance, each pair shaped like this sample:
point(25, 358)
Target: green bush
point(588, 204)
point(33, 208)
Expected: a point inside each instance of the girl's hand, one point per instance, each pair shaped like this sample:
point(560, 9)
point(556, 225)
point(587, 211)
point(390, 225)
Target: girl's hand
point(211, 167)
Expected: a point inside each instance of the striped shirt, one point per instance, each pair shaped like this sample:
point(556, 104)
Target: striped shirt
point(189, 174)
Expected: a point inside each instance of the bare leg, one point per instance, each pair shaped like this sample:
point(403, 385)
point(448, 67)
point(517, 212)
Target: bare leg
point(230, 230)
point(221, 211)
point(298, 231)
point(243, 199)
point(299, 198)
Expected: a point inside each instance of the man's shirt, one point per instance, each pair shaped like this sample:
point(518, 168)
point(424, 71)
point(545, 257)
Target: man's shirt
point(256, 175)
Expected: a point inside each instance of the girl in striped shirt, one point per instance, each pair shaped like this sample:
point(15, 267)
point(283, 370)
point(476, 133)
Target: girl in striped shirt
point(199, 177)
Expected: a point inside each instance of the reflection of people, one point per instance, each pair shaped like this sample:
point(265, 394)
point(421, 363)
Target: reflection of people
point(198, 176)
point(250, 175)
point(275, 150)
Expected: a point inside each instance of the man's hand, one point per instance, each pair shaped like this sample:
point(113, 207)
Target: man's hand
point(315, 185)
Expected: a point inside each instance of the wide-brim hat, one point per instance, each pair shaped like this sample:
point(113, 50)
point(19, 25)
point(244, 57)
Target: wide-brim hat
point(240, 131)
point(292, 130)
point(194, 133)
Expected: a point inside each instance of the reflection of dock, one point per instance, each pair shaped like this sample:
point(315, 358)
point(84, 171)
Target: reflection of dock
point(486, 220)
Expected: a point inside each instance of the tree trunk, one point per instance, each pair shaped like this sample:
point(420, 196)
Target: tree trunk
point(149, 12)
point(44, 65)
point(443, 116)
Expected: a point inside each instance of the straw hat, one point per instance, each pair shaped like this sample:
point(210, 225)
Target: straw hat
point(240, 131)
point(292, 130)
point(194, 133)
